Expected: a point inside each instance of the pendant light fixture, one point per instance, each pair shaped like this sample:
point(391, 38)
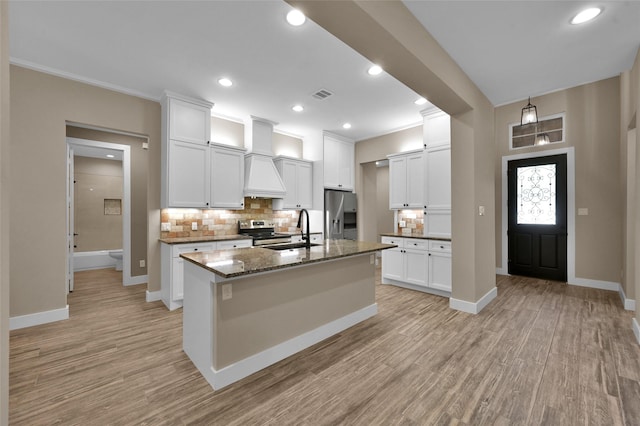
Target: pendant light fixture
point(529, 114)
point(542, 139)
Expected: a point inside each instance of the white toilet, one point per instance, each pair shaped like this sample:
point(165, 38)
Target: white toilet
point(117, 255)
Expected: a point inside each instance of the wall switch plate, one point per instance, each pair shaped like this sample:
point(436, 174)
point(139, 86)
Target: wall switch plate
point(165, 226)
point(583, 211)
point(402, 224)
point(194, 226)
point(143, 263)
point(372, 259)
point(480, 210)
point(227, 291)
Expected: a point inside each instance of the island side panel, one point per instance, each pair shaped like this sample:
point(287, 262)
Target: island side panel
point(269, 309)
point(198, 338)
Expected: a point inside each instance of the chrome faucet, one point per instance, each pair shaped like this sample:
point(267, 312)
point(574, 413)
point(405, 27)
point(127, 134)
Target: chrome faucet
point(307, 238)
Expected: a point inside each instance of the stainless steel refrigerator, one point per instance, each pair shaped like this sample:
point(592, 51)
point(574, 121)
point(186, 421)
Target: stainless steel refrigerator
point(340, 209)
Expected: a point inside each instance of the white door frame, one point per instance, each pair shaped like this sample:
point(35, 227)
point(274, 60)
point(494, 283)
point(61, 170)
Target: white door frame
point(127, 279)
point(571, 208)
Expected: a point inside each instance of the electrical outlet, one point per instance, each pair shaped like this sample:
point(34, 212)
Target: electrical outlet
point(372, 259)
point(480, 210)
point(402, 224)
point(227, 291)
point(194, 226)
point(165, 226)
point(143, 263)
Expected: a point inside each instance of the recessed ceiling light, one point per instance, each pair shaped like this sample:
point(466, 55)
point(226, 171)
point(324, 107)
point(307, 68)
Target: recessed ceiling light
point(110, 156)
point(420, 101)
point(586, 15)
point(297, 108)
point(296, 18)
point(346, 126)
point(225, 82)
point(375, 70)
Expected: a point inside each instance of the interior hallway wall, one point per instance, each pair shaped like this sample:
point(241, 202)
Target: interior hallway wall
point(4, 213)
point(140, 160)
point(592, 114)
point(41, 106)
point(97, 180)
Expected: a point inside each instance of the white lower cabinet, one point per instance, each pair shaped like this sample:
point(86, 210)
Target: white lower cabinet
point(172, 270)
point(420, 263)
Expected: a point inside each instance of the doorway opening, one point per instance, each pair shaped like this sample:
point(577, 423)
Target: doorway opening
point(112, 206)
point(537, 209)
point(568, 185)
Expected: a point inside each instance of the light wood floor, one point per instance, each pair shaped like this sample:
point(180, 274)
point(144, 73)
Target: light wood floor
point(541, 353)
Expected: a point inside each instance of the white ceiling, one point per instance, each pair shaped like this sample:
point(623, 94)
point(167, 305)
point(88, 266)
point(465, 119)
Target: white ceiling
point(509, 49)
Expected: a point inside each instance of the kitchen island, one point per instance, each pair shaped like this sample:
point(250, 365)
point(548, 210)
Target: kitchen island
point(248, 308)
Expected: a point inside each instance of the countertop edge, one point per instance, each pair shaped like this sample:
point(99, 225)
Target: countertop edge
point(418, 237)
point(268, 268)
point(203, 239)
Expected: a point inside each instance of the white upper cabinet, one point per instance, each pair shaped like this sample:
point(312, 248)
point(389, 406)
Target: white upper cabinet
point(436, 127)
point(406, 180)
point(338, 164)
point(297, 176)
point(437, 166)
point(188, 175)
point(195, 172)
point(227, 177)
point(189, 122)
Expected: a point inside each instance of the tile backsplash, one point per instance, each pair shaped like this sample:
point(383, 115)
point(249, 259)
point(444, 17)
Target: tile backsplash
point(414, 220)
point(225, 222)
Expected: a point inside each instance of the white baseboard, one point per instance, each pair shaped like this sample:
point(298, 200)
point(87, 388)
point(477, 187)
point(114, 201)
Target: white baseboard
point(636, 329)
point(501, 271)
point(234, 372)
point(629, 304)
point(471, 307)
point(38, 318)
point(140, 279)
point(602, 285)
point(153, 296)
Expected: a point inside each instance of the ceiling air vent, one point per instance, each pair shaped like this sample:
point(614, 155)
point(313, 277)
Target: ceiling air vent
point(322, 94)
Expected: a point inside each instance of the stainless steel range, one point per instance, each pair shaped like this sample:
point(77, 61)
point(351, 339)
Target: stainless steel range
point(262, 231)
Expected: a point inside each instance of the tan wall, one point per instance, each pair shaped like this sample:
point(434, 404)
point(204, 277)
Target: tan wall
point(227, 132)
point(139, 174)
point(41, 105)
point(259, 315)
point(96, 180)
point(4, 213)
point(287, 145)
point(368, 151)
point(592, 128)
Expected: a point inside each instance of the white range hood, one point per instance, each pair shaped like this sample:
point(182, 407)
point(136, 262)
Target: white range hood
point(261, 178)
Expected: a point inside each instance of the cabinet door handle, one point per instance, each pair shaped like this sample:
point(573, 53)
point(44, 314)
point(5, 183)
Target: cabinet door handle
point(195, 249)
point(441, 247)
point(429, 254)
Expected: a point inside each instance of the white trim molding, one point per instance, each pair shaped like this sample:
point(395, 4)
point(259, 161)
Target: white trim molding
point(29, 320)
point(471, 307)
point(241, 369)
point(571, 207)
point(153, 296)
point(135, 280)
point(629, 304)
point(636, 329)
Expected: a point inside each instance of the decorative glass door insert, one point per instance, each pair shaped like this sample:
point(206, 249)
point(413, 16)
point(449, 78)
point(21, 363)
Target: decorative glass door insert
point(536, 195)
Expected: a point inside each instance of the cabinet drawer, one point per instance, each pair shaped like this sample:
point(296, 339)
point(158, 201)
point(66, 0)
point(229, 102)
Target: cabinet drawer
point(227, 245)
point(415, 243)
point(189, 248)
point(443, 246)
point(393, 240)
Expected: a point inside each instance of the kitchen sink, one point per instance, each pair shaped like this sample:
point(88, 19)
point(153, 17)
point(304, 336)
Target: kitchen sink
point(289, 246)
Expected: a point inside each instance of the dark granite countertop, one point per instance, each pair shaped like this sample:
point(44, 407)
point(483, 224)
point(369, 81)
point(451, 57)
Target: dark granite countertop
point(203, 239)
point(245, 261)
point(420, 237)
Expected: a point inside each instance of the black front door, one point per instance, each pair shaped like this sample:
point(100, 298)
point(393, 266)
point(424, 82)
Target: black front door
point(538, 217)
